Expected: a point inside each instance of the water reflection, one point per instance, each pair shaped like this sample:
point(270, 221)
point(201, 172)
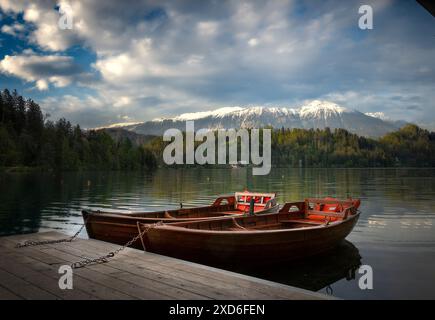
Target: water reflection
point(315, 273)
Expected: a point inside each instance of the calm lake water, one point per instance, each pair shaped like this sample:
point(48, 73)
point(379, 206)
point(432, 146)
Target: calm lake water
point(395, 234)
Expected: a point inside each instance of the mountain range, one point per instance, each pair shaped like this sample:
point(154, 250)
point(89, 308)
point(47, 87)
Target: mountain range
point(314, 115)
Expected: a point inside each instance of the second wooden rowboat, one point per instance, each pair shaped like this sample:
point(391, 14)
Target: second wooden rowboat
point(119, 228)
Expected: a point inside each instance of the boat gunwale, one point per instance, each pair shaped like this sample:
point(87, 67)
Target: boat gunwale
point(164, 220)
point(219, 214)
point(115, 215)
point(132, 213)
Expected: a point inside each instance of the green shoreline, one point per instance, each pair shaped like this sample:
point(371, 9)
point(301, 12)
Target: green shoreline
point(24, 169)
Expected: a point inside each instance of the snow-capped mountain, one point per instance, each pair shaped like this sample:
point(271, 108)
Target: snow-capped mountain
point(316, 114)
point(379, 115)
point(117, 125)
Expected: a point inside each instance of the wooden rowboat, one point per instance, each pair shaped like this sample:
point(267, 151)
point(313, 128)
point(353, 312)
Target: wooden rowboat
point(119, 228)
point(298, 230)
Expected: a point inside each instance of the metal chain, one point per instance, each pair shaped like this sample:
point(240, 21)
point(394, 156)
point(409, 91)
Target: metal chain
point(103, 259)
point(32, 243)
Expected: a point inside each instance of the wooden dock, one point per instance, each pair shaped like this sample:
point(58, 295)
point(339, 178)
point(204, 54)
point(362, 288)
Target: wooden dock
point(33, 273)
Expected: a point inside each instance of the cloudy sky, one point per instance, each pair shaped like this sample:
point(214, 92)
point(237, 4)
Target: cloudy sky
point(126, 61)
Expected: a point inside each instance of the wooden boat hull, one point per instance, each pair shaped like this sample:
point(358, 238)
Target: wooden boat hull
point(121, 228)
point(247, 247)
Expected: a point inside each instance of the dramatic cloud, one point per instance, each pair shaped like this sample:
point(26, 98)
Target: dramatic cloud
point(159, 58)
point(43, 70)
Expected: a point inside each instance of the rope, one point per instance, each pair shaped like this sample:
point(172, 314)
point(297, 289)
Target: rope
point(104, 258)
point(237, 224)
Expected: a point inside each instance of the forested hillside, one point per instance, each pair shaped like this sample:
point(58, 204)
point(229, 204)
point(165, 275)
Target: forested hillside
point(409, 146)
point(27, 139)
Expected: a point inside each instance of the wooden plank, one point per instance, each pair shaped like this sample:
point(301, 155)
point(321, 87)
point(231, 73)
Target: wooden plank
point(141, 287)
point(23, 288)
point(329, 201)
point(108, 247)
point(109, 287)
point(221, 277)
point(326, 213)
point(164, 281)
point(88, 283)
point(105, 274)
point(5, 294)
point(200, 285)
point(234, 289)
point(209, 274)
point(159, 281)
point(132, 274)
point(47, 280)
